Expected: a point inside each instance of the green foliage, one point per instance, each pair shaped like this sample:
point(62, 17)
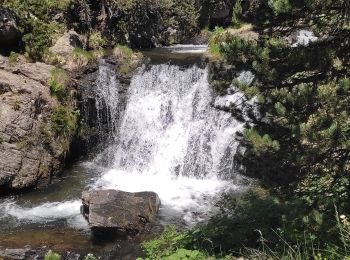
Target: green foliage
point(237, 14)
point(58, 82)
point(128, 60)
point(38, 40)
point(166, 244)
point(81, 57)
point(36, 24)
point(260, 144)
point(52, 256)
point(280, 6)
point(13, 58)
point(218, 36)
point(123, 51)
point(63, 121)
point(182, 254)
point(90, 257)
point(298, 144)
point(97, 41)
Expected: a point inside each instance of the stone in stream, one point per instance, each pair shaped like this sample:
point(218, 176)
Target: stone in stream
point(123, 212)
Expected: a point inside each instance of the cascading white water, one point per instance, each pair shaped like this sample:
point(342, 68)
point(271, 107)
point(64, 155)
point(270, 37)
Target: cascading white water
point(170, 139)
point(106, 92)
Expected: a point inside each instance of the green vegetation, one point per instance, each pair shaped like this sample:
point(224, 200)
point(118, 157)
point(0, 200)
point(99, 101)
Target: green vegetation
point(218, 36)
point(63, 121)
point(97, 41)
point(13, 58)
point(297, 148)
point(36, 24)
point(58, 82)
point(237, 14)
point(81, 57)
point(52, 256)
point(128, 59)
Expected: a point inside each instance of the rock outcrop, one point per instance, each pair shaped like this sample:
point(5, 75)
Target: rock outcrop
point(29, 150)
point(9, 32)
point(124, 212)
point(65, 45)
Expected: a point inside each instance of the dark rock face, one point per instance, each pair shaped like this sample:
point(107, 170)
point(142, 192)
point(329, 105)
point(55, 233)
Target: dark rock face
point(9, 33)
point(124, 212)
point(215, 13)
point(143, 24)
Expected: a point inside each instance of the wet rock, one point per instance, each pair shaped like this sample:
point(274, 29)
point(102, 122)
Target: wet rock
point(9, 32)
point(17, 254)
point(123, 212)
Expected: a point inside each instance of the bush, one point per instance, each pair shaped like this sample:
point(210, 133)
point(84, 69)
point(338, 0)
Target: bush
point(166, 244)
point(280, 6)
point(58, 83)
point(38, 40)
point(96, 41)
point(63, 121)
point(237, 14)
point(13, 58)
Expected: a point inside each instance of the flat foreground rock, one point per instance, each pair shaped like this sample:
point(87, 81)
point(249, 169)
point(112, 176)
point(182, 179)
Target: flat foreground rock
point(114, 210)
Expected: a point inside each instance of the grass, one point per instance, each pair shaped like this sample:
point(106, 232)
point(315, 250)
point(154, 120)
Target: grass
point(52, 256)
point(58, 82)
point(97, 41)
point(128, 60)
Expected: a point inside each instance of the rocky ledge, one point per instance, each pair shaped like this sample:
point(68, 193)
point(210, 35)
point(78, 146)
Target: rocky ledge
point(30, 150)
point(118, 211)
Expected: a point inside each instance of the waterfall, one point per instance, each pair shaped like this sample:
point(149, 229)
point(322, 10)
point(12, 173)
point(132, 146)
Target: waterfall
point(101, 102)
point(173, 141)
point(165, 135)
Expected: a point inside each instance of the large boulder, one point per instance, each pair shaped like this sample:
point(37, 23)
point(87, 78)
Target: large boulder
point(9, 32)
point(29, 150)
point(124, 212)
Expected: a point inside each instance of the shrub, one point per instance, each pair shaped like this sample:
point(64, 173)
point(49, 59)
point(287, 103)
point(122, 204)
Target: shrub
point(166, 244)
point(13, 58)
point(63, 121)
point(38, 40)
point(237, 13)
point(280, 6)
point(96, 41)
point(58, 83)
